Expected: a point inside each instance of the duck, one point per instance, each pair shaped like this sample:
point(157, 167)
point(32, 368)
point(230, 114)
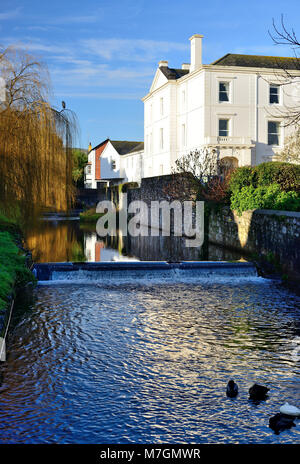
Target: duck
point(232, 389)
point(289, 410)
point(258, 392)
point(280, 422)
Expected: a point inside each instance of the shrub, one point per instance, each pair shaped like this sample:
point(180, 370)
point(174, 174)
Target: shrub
point(286, 175)
point(216, 190)
point(264, 197)
point(288, 201)
point(242, 177)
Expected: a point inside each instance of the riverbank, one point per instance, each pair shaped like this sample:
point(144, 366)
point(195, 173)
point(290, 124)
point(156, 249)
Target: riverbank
point(14, 267)
point(90, 216)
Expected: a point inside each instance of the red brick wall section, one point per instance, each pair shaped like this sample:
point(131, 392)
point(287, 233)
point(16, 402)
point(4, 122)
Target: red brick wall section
point(98, 153)
point(98, 248)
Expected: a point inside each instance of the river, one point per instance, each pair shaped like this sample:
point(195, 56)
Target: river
point(144, 362)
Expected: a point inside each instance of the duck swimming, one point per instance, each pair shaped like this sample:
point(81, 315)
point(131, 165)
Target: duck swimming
point(280, 422)
point(258, 392)
point(232, 389)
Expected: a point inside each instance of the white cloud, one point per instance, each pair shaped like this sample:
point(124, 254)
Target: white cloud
point(81, 19)
point(86, 68)
point(35, 46)
point(100, 95)
point(10, 14)
point(130, 49)
point(95, 76)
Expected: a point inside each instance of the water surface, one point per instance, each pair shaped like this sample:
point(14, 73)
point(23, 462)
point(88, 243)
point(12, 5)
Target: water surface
point(149, 363)
point(55, 239)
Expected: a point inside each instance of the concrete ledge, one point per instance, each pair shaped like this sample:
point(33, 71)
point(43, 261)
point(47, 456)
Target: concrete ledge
point(277, 212)
point(44, 271)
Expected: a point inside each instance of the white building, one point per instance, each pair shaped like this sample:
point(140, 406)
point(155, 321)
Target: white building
point(112, 162)
point(234, 105)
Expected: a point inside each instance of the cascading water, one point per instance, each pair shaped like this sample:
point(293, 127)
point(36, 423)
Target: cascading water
point(118, 273)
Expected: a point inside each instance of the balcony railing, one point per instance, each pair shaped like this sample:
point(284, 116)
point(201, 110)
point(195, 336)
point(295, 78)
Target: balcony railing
point(228, 141)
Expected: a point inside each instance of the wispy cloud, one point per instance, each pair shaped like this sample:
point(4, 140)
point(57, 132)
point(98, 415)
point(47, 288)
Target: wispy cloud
point(100, 95)
point(10, 14)
point(95, 76)
point(37, 46)
point(96, 68)
point(130, 49)
point(81, 19)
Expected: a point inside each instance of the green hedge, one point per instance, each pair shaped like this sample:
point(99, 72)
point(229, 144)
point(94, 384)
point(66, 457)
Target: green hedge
point(286, 175)
point(264, 197)
point(272, 185)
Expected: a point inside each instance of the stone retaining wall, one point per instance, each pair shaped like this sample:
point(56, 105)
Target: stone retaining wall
point(273, 236)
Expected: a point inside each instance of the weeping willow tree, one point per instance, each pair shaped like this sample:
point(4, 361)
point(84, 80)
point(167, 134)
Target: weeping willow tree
point(35, 139)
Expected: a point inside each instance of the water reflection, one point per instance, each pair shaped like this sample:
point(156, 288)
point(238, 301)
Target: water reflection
point(150, 364)
point(63, 240)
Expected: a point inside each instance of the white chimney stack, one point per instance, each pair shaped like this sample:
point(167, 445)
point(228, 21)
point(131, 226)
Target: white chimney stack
point(163, 63)
point(196, 52)
point(186, 66)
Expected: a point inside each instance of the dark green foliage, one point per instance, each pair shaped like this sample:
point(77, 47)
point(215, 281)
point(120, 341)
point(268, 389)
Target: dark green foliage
point(264, 197)
point(80, 159)
point(272, 185)
point(242, 177)
point(13, 271)
point(286, 175)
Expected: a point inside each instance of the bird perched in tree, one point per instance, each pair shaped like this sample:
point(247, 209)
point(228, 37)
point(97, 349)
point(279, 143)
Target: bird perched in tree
point(280, 422)
point(258, 392)
point(63, 104)
point(232, 389)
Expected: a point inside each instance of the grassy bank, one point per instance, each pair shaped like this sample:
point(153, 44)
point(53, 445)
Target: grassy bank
point(90, 216)
point(13, 270)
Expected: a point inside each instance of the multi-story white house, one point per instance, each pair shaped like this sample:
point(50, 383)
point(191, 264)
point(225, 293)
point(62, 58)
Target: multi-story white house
point(112, 162)
point(235, 105)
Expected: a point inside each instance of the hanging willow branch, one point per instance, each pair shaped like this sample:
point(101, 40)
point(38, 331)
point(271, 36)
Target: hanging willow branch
point(35, 139)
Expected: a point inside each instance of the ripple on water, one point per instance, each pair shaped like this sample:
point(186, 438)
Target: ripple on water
point(150, 364)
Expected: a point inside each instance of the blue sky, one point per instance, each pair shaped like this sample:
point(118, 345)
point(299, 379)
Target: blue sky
point(102, 55)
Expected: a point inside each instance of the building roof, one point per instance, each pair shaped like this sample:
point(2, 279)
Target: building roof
point(257, 61)
point(124, 147)
point(172, 73)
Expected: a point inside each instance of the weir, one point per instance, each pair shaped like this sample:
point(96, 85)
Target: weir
point(120, 272)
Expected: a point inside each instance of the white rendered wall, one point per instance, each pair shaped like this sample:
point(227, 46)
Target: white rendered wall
point(193, 102)
point(156, 155)
point(108, 156)
point(90, 178)
point(131, 166)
